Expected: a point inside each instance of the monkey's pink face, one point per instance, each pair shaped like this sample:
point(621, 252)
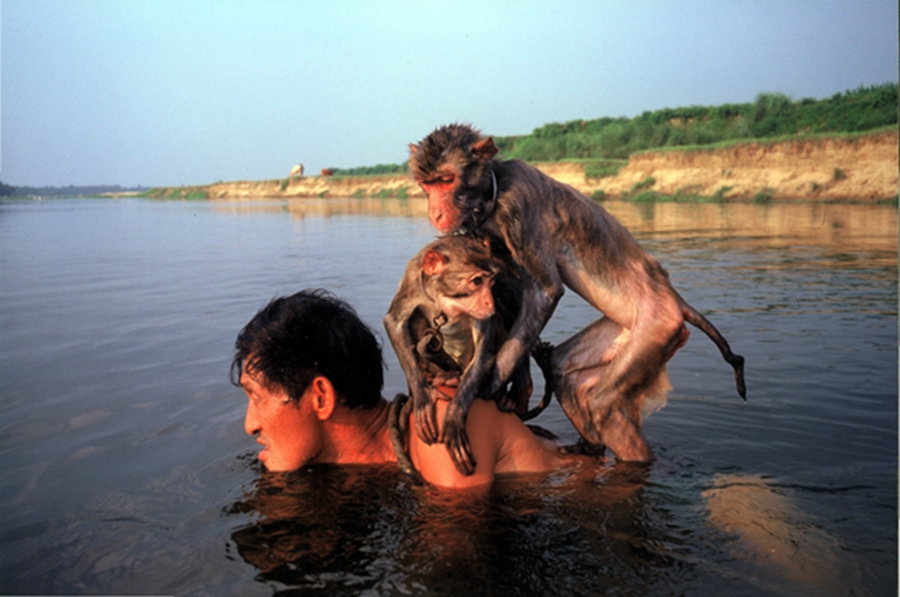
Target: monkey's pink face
point(477, 300)
point(444, 215)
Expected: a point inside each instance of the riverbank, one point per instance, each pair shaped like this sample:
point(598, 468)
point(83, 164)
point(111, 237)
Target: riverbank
point(861, 167)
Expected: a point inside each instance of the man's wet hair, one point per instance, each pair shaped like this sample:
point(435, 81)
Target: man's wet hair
point(296, 338)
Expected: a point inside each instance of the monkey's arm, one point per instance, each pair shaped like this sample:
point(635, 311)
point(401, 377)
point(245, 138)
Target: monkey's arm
point(396, 324)
point(495, 370)
point(453, 431)
point(542, 287)
point(537, 307)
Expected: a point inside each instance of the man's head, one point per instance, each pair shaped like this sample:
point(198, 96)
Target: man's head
point(297, 338)
point(300, 360)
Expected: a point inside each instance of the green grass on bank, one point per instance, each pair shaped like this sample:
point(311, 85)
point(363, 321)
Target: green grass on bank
point(603, 145)
point(191, 192)
point(771, 117)
point(643, 192)
point(379, 170)
point(810, 137)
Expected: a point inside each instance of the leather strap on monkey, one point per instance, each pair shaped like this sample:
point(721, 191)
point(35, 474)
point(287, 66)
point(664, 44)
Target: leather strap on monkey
point(483, 212)
point(432, 343)
point(441, 371)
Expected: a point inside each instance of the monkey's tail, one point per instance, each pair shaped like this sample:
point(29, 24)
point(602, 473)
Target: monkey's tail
point(541, 353)
point(398, 418)
point(735, 360)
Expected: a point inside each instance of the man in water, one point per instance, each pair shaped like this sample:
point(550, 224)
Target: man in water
point(313, 374)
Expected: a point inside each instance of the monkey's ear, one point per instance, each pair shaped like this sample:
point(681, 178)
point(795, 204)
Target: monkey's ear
point(413, 148)
point(433, 263)
point(485, 149)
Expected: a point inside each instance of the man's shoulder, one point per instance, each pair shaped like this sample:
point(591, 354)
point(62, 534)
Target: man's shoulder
point(484, 428)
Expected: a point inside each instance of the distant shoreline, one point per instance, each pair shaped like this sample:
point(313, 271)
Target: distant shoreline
point(860, 168)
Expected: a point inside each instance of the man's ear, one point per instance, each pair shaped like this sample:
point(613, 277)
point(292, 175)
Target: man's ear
point(322, 397)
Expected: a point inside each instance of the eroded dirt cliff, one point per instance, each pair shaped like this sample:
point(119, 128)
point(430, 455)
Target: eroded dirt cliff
point(858, 168)
point(861, 168)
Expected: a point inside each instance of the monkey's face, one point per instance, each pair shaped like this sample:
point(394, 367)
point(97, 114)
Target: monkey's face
point(449, 165)
point(468, 295)
point(457, 195)
point(459, 273)
point(441, 189)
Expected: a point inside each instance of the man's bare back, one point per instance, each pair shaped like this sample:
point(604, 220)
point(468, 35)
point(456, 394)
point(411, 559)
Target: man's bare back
point(501, 443)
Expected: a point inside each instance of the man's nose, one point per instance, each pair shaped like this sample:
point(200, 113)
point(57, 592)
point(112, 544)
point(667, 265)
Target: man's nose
point(251, 425)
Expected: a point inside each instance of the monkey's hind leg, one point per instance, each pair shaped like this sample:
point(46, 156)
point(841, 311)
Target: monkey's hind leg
point(573, 369)
point(583, 370)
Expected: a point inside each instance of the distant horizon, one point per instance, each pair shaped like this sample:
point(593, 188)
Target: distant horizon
point(143, 187)
point(85, 187)
point(162, 92)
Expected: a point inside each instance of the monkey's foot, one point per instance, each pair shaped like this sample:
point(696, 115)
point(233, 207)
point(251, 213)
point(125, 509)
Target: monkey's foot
point(505, 402)
point(583, 448)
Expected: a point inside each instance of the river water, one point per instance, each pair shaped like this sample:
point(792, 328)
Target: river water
point(126, 468)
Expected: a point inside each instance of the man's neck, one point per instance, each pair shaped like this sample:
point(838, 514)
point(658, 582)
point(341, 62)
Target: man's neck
point(361, 436)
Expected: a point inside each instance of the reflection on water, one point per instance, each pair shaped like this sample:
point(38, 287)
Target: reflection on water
point(126, 468)
point(871, 227)
point(358, 529)
point(340, 206)
point(819, 224)
point(772, 532)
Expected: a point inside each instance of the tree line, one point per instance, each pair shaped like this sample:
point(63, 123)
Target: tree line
point(770, 115)
point(7, 190)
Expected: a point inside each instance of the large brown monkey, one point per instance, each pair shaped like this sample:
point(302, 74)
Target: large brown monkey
point(446, 331)
point(558, 237)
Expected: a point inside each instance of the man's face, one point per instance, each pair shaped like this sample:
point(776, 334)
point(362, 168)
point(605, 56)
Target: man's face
point(289, 431)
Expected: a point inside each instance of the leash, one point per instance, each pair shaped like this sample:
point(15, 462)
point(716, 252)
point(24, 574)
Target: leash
point(482, 213)
point(432, 339)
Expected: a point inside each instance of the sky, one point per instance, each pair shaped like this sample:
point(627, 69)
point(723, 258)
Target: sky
point(166, 93)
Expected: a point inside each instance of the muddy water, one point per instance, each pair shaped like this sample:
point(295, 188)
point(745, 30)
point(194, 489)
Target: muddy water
point(126, 469)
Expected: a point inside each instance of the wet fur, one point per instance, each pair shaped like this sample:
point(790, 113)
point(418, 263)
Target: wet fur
point(469, 344)
point(557, 237)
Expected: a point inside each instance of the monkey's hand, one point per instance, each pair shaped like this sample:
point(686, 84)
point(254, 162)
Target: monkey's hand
point(425, 416)
point(454, 436)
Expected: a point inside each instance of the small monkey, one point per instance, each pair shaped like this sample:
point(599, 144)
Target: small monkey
point(446, 327)
point(558, 238)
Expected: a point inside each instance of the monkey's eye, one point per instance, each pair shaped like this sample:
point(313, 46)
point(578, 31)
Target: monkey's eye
point(477, 280)
point(440, 179)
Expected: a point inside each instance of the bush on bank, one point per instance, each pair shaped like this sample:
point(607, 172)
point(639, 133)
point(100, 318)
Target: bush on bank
point(604, 144)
